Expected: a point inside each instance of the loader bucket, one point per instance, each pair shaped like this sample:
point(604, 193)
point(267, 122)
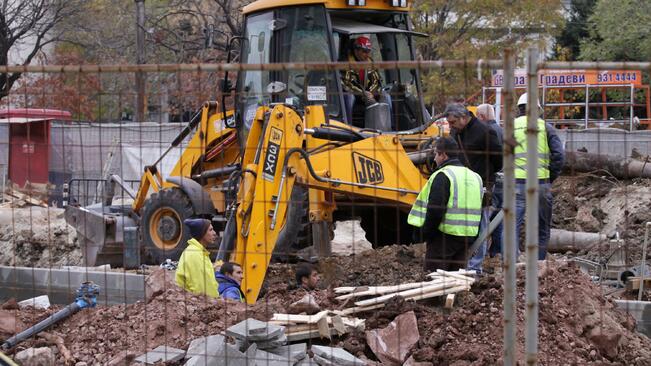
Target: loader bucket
point(100, 232)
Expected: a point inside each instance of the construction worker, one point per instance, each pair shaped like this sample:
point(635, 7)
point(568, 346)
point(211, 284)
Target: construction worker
point(481, 151)
point(229, 278)
point(550, 162)
point(448, 209)
point(362, 87)
point(486, 114)
point(195, 272)
point(307, 277)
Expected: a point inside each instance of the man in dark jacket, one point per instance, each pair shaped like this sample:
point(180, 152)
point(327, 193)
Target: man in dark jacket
point(481, 151)
point(448, 209)
point(229, 279)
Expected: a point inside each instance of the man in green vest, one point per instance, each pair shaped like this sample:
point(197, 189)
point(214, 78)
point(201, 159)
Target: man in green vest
point(195, 273)
point(550, 162)
point(448, 209)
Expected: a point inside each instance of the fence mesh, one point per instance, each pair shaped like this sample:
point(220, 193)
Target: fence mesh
point(349, 227)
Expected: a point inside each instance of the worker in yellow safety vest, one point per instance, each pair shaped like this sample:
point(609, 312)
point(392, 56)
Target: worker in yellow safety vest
point(550, 162)
point(195, 273)
point(448, 209)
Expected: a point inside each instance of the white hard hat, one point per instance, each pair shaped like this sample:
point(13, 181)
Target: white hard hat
point(523, 100)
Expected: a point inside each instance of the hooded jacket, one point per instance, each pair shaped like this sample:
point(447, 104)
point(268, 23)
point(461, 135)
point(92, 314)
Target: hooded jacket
point(195, 272)
point(229, 288)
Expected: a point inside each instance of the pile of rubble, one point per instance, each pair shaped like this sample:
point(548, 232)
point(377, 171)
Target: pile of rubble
point(578, 325)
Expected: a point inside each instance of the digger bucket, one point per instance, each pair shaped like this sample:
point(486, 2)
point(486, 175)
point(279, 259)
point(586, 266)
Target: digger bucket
point(100, 232)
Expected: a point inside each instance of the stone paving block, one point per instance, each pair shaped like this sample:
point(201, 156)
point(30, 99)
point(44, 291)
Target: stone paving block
point(38, 302)
point(228, 355)
point(254, 330)
point(161, 353)
point(337, 356)
point(322, 361)
point(206, 346)
point(266, 358)
point(307, 362)
point(273, 343)
point(294, 352)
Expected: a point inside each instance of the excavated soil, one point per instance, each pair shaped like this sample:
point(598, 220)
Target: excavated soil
point(37, 237)
point(578, 325)
point(594, 203)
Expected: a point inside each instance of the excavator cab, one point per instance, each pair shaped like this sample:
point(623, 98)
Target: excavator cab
point(321, 32)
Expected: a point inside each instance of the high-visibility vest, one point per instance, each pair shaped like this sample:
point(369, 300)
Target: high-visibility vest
point(463, 213)
point(520, 151)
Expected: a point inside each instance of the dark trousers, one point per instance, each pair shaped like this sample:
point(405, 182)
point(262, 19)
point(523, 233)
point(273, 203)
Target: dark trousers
point(446, 252)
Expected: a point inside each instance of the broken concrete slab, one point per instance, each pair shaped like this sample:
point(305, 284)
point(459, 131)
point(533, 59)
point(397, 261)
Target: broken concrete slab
point(38, 302)
point(161, 354)
point(391, 344)
point(206, 346)
point(307, 362)
point(337, 356)
point(294, 352)
point(254, 330)
point(35, 356)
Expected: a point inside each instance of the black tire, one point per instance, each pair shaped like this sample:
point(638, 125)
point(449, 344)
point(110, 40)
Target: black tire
point(296, 233)
point(163, 233)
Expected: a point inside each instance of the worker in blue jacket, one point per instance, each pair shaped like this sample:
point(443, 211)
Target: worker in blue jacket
point(229, 279)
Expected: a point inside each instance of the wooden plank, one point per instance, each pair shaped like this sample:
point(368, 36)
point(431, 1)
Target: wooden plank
point(633, 283)
point(308, 334)
point(324, 329)
point(456, 275)
point(449, 301)
point(358, 309)
point(382, 290)
point(408, 293)
point(338, 324)
point(451, 290)
point(299, 318)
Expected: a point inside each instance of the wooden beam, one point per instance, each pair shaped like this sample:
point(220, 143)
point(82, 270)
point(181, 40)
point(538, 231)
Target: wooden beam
point(408, 293)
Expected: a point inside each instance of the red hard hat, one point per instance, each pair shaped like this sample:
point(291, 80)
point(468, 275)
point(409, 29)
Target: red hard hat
point(364, 43)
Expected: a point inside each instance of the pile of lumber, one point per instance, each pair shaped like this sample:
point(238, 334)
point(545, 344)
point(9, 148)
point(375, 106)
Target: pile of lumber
point(31, 195)
point(324, 324)
point(442, 283)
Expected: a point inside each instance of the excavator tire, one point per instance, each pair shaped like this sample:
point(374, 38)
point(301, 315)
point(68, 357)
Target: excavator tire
point(296, 233)
point(162, 231)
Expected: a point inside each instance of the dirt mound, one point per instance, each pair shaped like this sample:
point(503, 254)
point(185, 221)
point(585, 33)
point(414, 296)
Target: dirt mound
point(577, 324)
point(37, 237)
point(603, 204)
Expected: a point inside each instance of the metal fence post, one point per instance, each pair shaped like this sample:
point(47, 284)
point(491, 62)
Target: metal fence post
point(508, 182)
point(531, 241)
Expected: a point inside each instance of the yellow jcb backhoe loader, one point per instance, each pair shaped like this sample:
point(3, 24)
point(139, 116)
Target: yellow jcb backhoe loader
point(297, 152)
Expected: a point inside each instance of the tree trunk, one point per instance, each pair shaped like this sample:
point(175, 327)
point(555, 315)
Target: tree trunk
point(622, 168)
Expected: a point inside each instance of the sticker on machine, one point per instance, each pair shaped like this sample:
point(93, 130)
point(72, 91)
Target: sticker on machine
point(273, 150)
point(316, 93)
point(367, 170)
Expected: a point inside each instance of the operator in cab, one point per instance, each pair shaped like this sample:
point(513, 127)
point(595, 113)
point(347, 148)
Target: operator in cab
point(362, 87)
point(195, 272)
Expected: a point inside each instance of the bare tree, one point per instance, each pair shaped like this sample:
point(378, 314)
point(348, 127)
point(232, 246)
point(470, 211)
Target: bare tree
point(29, 25)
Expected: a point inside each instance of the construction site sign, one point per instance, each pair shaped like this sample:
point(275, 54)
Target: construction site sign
point(573, 77)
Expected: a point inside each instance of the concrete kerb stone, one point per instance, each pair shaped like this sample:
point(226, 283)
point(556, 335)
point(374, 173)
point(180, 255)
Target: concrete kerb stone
point(252, 330)
point(294, 352)
point(337, 356)
point(161, 353)
point(60, 284)
point(228, 355)
point(307, 362)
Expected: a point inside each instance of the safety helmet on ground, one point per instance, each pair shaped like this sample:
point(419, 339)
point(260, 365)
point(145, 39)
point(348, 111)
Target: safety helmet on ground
point(363, 43)
point(523, 100)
